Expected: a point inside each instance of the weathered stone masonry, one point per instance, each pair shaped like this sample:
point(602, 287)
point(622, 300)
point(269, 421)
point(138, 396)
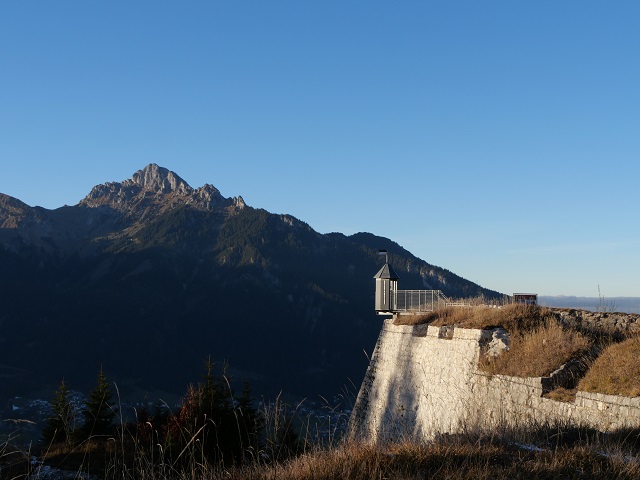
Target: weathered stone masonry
point(424, 380)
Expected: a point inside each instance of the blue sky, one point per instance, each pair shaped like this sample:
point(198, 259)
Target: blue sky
point(497, 139)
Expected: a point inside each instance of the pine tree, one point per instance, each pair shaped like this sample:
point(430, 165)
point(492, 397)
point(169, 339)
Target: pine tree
point(98, 410)
point(220, 438)
point(250, 422)
point(59, 425)
point(215, 393)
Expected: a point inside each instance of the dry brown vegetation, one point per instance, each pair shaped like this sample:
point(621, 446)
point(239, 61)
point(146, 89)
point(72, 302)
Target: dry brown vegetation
point(616, 371)
point(544, 453)
point(450, 459)
point(539, 344)
point(562, 394)
point(550, 451)
point(508, 317)
point(537, 352)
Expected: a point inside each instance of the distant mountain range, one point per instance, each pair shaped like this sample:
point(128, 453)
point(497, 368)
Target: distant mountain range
point(148, 276)
point(609, 304)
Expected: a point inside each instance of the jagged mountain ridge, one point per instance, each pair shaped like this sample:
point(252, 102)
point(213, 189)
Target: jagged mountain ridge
point(110, 211)
point(154, 190)
point(148, 276)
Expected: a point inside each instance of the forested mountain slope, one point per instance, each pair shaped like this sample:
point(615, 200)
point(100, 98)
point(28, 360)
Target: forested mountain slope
point(149, 276)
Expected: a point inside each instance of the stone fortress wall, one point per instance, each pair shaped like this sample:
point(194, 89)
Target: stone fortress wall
point(423, 381)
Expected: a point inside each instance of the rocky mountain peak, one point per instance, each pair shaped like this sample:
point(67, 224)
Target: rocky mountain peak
point(111, 209)
point(152, 190)
point(159, 179)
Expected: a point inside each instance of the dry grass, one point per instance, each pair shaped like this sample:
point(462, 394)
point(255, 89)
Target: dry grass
point(550, 452)
point(561, 394)
point(616, 371)
point(451, 458)
point(539, 344)
point(403, 461)
point(14, 463)
point(537, 352)
point(93, 455)
point(509, 317)
point(93, 445)
point(418, 319)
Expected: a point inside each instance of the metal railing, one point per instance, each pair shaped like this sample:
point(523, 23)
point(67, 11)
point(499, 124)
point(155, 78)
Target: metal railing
point(419, 300)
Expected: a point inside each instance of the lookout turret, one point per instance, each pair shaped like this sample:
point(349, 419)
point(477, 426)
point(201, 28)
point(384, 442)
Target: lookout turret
point(386, 286)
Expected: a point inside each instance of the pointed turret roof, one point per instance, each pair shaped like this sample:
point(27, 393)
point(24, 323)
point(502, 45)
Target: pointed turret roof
point(387, 272)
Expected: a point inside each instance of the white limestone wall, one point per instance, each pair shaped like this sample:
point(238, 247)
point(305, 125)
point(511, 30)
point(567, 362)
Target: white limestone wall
point(417, 383)
point(420, 384)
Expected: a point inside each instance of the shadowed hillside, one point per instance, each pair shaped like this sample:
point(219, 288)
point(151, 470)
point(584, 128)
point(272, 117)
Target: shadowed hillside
point(148, 276)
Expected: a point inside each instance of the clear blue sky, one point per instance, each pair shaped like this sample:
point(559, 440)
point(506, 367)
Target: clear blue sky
point(497, 139)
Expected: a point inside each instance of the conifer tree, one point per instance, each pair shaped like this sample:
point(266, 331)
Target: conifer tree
point(98, 410)
point(59, 425)
point(250, 421)
point(215, 393)
point(220, 438)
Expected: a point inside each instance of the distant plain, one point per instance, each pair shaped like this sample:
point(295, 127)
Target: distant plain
point(613, 304)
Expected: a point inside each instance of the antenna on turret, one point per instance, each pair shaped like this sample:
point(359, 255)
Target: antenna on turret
point(386, 255)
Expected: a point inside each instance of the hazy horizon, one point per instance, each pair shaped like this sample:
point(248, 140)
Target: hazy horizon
point(609, 304)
